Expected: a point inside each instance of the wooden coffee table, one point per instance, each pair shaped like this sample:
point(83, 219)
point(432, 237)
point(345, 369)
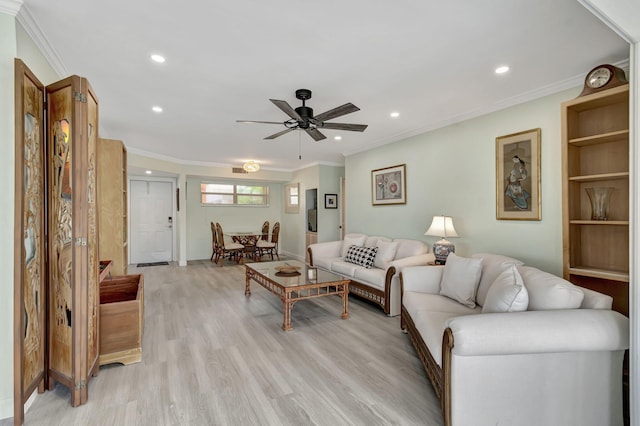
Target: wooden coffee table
point(308, 283)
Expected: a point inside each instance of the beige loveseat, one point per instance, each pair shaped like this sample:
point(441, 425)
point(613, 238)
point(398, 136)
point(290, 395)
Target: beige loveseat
point(508, 344)
point(379, 282)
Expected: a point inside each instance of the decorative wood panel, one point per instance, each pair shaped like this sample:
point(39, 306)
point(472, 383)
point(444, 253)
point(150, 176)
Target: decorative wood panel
point(93, 347)
point(29, 259)
point(73, 240)
point(112, 203)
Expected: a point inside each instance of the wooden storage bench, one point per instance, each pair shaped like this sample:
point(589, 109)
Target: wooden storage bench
point(121, 319)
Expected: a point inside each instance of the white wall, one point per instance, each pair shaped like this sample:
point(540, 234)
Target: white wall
point(7, 169)
point(232, 218)
point(452, 171)
point(294, 225)
point(328, 219)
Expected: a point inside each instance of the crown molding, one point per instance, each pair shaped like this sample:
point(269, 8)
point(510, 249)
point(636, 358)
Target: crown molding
point(532, 95)
point(29, 24)
point(10, 7)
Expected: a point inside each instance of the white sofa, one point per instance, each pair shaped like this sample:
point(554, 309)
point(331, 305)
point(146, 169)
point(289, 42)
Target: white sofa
point(379, 283)
point(543, 352)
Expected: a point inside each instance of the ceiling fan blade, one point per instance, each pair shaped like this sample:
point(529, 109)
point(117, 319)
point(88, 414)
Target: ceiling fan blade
point(287, 109)
point(275, 135)
point(315, 134)
point(345, 126)
point(263, 122)
point(345, 109)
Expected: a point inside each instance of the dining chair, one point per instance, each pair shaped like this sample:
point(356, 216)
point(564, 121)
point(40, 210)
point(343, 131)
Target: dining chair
point(214, 243)
point(270, 247)
point(265, 231)
point(231, 250)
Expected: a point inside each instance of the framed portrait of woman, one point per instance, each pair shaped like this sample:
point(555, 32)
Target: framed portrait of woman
point(518, 176)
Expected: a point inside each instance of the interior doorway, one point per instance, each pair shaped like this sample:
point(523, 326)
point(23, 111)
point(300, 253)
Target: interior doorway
point(152, 218)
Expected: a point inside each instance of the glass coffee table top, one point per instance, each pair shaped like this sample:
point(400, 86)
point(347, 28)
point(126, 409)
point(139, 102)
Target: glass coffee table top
point(300, 275)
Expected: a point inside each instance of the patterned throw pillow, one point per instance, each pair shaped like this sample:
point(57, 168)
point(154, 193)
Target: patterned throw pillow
point(363, 256)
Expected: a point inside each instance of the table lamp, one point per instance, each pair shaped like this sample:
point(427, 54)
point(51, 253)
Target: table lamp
point(442, 226)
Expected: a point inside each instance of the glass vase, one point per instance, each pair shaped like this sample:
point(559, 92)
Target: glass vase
point(599, 197)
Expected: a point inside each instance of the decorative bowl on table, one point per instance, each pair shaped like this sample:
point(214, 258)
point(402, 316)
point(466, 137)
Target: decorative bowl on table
point(288, 269)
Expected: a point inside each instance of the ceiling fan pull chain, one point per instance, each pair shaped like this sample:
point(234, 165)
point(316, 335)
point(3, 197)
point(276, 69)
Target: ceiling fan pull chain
point(299, 145)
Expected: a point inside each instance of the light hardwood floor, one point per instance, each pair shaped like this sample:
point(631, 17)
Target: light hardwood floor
point(212, 356)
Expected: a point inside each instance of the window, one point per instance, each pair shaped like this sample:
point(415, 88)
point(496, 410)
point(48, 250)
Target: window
point(228, 194)
point(292, 198)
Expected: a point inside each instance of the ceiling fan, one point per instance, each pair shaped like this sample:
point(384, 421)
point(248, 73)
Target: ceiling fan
point(303, 118)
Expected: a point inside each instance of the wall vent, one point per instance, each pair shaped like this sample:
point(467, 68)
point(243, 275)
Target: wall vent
point(239, 170)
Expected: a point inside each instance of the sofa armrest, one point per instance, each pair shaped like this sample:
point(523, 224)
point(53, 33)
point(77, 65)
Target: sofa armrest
point(417, 260)
point(324, 249)
point(572, 330)
point(423, 279)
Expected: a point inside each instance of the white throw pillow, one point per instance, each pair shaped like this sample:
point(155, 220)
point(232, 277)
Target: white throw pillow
point(460, 279)
point(507, 293)
point(492, 266)
point(352, 240)
point(386, 252)
point(547, 291)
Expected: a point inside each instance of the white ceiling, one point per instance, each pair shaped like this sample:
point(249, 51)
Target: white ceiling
point(431, 61)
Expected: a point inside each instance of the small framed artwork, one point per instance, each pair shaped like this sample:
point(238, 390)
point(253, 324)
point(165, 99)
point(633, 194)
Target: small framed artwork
point(388, 185)
point(518, 176)
point(330, 201)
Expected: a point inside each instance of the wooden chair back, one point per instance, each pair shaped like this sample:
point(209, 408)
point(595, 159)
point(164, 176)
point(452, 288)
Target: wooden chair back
point(265, 231)
point(275, 233)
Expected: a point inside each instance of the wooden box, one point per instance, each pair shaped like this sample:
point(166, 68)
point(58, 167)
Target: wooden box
point(121, 319)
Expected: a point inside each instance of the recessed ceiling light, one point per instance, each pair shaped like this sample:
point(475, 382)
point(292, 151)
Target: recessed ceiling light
point(338, 138)
point(502, 69)
point(157, 58)
point(148, 172)
point(394, 114)
point(156, 109)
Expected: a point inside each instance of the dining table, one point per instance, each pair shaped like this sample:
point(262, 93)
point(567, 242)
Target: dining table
point(248, 239)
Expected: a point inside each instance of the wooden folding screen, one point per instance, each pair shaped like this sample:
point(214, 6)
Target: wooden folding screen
point(67, 267)
point(29, 243)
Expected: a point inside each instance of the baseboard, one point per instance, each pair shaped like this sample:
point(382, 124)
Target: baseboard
point(292, 256)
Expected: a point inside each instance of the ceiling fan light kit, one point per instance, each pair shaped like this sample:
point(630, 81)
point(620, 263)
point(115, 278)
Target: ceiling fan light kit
point(302, 118)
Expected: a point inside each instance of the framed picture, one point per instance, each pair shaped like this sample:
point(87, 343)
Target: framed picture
point(388, 185)
point(518, 176)
point(330, 201)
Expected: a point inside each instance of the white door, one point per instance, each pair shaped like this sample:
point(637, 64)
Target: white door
point(151, 209)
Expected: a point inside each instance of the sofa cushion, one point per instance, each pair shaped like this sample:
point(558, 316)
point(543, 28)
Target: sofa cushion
point(325, 262)
point(362, 256)
point(431, 326)
point(372, 240)
point(407, 248)
point(415, 301)
point(460, 279)
point(373, 277)
point(386, 252)
point(345, 268)
point(352, 240)
point(492, 266)
point(507, 293)
point(547, 291)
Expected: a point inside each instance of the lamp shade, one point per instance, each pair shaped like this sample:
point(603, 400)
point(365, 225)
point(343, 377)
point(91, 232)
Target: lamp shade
point(441, 226)
point(251, 166)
